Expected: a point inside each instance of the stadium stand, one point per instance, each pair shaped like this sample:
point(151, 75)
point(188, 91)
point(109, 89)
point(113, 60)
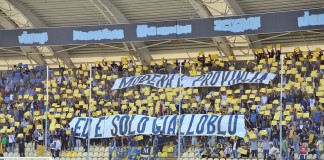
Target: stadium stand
point(23, 104)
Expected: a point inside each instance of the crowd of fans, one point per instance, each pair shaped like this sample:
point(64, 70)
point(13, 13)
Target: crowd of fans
point(23, 105)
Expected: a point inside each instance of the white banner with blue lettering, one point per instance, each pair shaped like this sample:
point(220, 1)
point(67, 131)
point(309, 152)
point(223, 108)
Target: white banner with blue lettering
point(192, 125)
point(210, 79)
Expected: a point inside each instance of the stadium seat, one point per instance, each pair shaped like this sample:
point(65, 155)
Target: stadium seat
point(191, 154)
point(16, 154)
point(260, 155)
point(106, 154)
point(63, 154)
point(165, 148)
point(170, 149)
point(74, 154)
point(79, 154)
point(186, 154)
point(10, 154)
point(164, 154)
point(95, 154)
point(69, 154)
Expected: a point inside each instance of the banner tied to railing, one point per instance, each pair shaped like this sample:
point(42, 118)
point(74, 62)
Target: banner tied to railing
point(191, 125)
point(211, 79)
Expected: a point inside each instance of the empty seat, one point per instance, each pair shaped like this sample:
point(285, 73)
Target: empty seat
point(191, 154)
point(63, 154)
point(79, 154)
point(96, 154)
point(16, 154)
point(10, 154)
point(91, 149)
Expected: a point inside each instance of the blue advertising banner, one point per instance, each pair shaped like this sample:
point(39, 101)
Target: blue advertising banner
point(178, 29)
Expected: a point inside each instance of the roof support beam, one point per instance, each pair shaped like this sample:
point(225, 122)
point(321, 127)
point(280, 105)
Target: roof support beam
point(115, 16)
point(8, 24)
point(203, 12)
point(36, 22)
point(237, 10)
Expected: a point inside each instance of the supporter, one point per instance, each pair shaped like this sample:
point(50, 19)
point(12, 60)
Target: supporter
point(212, 141)
point(200, 149)
point(40, 138)
point(155, 146)
point(4, 141)
point(291, 154)
point(161, 141)
point(71, 140)
point(303, 151)
point(194, 142)
point(285, 147)
point(227, 151)
point(295, 142)
point(273, 150)
point(235, 146)
point(64, 140)
point(302, 104)
point(21, 146)
point(319, 148)
point(78, 142)
point(110, 151)
point(265, 146)
point(56, 147)
point(254, 148)
point(207, 154)
point(11, 140)
point(176, 145)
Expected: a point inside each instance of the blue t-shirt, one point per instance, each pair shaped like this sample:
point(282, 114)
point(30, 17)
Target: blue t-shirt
point(317, 117)
point(253, 117)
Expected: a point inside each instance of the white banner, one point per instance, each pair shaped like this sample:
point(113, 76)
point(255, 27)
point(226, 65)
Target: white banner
point(211, 79)
point(192, 124)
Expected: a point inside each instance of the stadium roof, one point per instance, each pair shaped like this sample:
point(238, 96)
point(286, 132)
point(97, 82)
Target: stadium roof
point(55, 13)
